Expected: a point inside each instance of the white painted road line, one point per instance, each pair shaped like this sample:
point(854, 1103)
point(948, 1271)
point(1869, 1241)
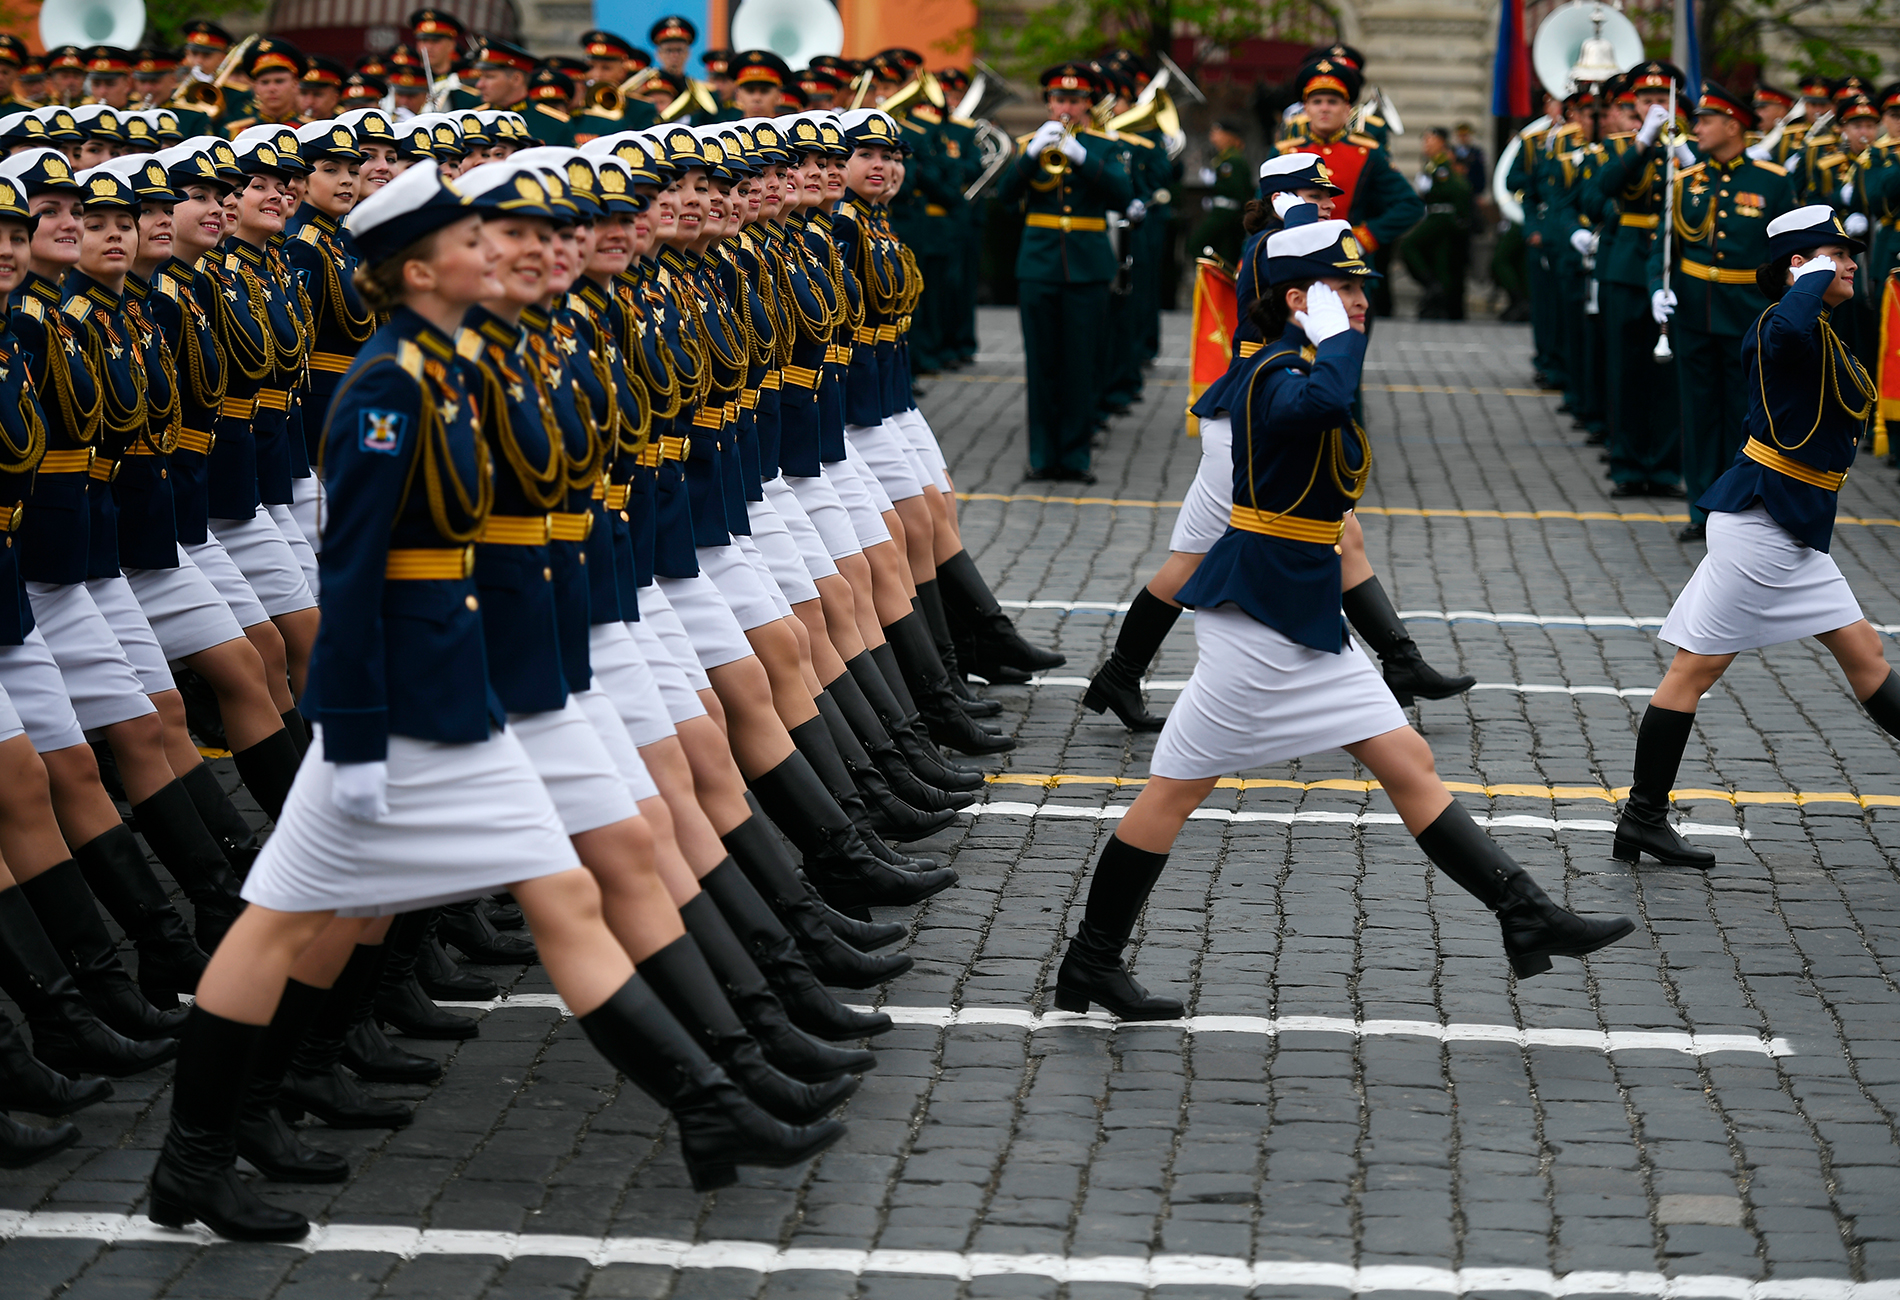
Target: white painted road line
point(1642, 623)
point(1613, 1040)
point(1114, 812)
point(1522, 688)
point(1128, 1270)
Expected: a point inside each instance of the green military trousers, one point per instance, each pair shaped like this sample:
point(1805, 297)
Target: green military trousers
point(1713, 387)
point(1644, 414)
point(1065, 352)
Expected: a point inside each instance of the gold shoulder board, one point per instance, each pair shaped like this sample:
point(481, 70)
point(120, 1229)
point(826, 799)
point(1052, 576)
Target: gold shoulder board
point(231, 262)
point(33, 307)
point(310, 234)
point(1365, 141)
point(1776, 168)
point(77, 308)
point(409, 357)
point(1693, 169)
point(468, 344)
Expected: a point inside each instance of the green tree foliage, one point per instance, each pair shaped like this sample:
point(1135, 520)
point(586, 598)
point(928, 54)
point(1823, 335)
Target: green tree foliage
point(164, 18)
point(1832, 38)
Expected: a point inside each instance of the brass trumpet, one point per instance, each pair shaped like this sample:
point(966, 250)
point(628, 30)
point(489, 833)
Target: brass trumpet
point(1055, 163)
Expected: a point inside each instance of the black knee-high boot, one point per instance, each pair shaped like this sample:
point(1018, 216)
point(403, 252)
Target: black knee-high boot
point(889, 813)
point(299, 728)
point(196, 1175)
point(815, 741)
point(401, 1001)
point(1117, 683)
point(442, 976)
point(1883, 706)
point(465, 925)
point(944, 718)
point(366, 1052)
point(115, 868)
point(71, 920)
point(876, 739)
point(28, 1083)
point(719, 1125)
point(756, 850)
point(1092, 969)
point(1644, 826)
point(930, 604)
point(756, 1000)
point(1535, 928)
point(67, 1035)
point(170, 823)
point(845, 871)
point(1406, 672)
point(268, 770)
point(878, 676)
point(680, 975)
point(315, 1081)
point(857, 928)
point(264, 1136)
point(994, 639)
point(229, 827)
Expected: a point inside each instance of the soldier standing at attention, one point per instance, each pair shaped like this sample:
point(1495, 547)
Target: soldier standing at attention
point(1379, 202)
point(1641, 401)
point(275, 68)
point(1066, 180)
point(1546, 358)
point(503, 70)
point(1231, 179)
point(438, 35)
point(12, 55)
point(1722, 205)
point(1435, 250)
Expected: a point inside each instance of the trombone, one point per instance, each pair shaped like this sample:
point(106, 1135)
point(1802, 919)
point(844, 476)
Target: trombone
point(208, 96)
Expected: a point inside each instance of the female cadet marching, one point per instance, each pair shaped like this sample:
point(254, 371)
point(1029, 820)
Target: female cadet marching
point(418, 792)
point(1277, 678)
point(1768, 576)
point(1284, 180)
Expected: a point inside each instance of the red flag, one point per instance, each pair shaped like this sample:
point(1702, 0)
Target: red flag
point(1887, 409)
point(1211, 340)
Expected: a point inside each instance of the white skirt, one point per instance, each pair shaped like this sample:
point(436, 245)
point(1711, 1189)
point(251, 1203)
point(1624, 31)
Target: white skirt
point(784, 558)
point(215, 563)
point(811, 546)
point(286, 520)
point(186, 612)
point(263, 555)
point(10, 724)
point(753, 600)
point(463, 821)
point(886, 449)
point(307, 507)
point(580, 774)
point(1757, 587)
point(37, 691)
point(711, 629)
point(827, 512)
point(133, 630)
point(615, 739)
point(1257, 698)
point(99, 678)
point(1210, 498)
point(621, 671)
point(866, 476)
point(860, 502)
point(660, 641)
point(923, 441)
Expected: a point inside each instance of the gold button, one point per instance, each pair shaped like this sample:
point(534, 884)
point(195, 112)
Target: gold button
point(583, 557)
point(1338, 549)
point(623, 517)
point(471, 602)
point(547, 575)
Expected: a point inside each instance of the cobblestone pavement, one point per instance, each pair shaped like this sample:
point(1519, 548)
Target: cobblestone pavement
point(1364, 1101)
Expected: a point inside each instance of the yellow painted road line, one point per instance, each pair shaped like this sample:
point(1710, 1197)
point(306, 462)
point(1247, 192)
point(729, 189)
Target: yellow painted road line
point(1432, 389)
point(1795, 798)
point(1413, 512)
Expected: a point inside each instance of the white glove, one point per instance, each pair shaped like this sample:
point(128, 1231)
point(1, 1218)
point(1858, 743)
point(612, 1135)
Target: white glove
point(1325, 313)
point(1072, 150)
point(1136, 210)
point(1815, 264)
point(361, 790)
point(1847, 192)
point(1685, 156)
point(1759, 152)
point(1206, 176)
point(1662, 305)
point(1046, 134)
point(1424, 182)
point(1653, 123)
point(1856, 224)
point(1284, 202)
point(1582, 240)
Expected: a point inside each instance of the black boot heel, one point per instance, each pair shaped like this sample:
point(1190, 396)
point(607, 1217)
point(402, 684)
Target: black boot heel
point(1125, 701)
point(1637, 835)
point(1071, 1001)
point(1092, 969)
point(1525, 967)
point(1625, 850)
point(710, 1177)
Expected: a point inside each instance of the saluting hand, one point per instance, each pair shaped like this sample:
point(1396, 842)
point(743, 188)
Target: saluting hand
point(1325, 313)
point(1814, 264)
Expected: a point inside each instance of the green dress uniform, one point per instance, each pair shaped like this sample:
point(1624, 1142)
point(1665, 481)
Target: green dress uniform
point(632, 115)
point(1063, 270)
point(548, 123)
point(1435, 250)
point(920, 212)
point(1720, 236)
point(1641, 407)
point(1233, 184)
point(962, 162)
point(1152, 239)
point(1556, 180)
point(1540, 280)
point(1878, 196)
point(1124, 385)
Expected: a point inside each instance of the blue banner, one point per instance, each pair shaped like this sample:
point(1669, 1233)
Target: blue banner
point(634, 18)
point(1692, 61)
